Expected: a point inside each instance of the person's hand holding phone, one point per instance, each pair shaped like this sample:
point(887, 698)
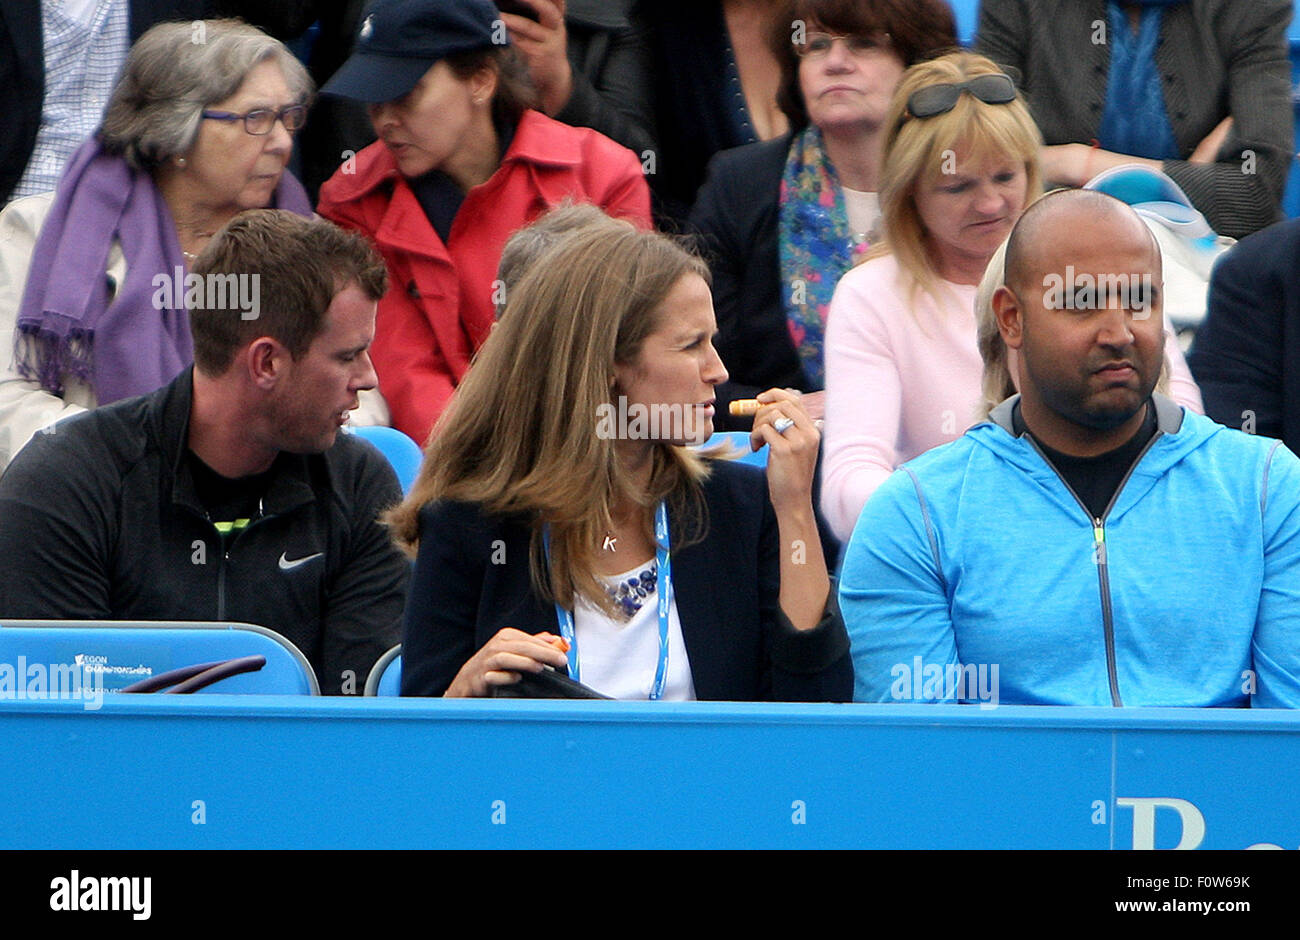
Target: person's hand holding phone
point(537, 32)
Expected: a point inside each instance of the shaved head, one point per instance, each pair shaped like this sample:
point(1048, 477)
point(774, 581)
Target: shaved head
point(1082, 306)
point(1030, 247)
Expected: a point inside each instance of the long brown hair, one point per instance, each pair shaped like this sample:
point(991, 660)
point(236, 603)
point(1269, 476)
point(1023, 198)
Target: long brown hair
point(520, 435)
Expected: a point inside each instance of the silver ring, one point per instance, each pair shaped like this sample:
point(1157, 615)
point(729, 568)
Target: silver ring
point(783, 424)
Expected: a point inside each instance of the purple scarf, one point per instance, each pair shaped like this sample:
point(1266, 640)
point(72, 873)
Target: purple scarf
point(66, 323)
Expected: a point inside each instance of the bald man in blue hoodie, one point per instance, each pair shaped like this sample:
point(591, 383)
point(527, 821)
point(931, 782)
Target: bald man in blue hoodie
point(1093, 543)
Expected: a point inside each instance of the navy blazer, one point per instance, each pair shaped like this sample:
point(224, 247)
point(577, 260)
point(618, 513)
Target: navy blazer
point(472, 579)
point(1246, 357)
point(22, 72)
point(701, 106)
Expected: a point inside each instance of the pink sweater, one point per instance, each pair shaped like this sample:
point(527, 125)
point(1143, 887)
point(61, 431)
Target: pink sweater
point(877, 339)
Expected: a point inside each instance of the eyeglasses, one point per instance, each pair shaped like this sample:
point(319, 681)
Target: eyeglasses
point(260, 121)
point(819, 45)
point(940, 99)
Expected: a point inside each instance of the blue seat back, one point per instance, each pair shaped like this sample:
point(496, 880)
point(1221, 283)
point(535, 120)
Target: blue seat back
point(386, 676)
point(123, 652)
point(967, 14)
point(403, 453)
point(740, 441)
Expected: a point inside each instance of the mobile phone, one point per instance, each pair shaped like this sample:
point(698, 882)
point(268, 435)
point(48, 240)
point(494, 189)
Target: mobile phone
point(518, 8)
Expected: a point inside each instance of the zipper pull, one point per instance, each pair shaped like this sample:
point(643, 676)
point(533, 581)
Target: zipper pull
point(1098, 542)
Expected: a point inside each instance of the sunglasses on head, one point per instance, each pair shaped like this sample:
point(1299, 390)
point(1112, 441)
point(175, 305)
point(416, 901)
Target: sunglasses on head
point(940, 99)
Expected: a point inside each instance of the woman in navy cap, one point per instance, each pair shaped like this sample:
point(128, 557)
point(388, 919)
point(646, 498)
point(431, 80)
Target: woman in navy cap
point(462, 161)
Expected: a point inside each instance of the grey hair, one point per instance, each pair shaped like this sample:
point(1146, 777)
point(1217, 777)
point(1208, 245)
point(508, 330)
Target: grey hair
point(528, 244)
point(173, 72)
point(997, 384)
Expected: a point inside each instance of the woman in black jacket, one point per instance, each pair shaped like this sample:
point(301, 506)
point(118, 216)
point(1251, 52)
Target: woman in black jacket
point(782, 220)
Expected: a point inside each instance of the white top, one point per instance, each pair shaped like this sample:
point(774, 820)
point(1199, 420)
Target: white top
point(82, 11)
point(863, 210)
point(618, 658)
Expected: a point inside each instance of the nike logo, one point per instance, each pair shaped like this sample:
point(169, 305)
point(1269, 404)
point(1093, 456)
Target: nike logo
point(287, 565)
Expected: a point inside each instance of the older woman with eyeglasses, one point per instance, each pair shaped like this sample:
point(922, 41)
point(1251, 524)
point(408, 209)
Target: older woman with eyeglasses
point(903, 369)
point(199, 128)
point(782, 220)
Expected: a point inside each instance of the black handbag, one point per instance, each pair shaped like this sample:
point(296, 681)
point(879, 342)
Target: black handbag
point(549, 683)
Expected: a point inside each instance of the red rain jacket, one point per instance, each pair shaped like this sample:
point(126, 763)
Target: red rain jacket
point(438, 309)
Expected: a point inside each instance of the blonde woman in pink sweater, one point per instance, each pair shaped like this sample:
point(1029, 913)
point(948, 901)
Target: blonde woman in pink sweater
point(903, 369)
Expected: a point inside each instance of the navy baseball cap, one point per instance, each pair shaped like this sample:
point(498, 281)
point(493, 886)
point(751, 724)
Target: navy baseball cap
point(399, 40)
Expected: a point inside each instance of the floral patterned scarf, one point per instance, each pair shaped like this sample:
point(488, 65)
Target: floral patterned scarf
point(815, 246)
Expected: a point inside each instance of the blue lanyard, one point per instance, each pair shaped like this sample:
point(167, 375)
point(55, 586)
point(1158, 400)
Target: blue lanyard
point(665, 599)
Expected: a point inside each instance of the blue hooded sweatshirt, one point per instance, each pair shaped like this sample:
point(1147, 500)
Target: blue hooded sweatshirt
point(975, 574)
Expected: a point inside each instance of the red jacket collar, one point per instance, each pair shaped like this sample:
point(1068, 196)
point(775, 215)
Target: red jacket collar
point(545, 142)
point(538, 140)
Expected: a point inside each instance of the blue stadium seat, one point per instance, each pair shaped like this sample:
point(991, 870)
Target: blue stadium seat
point(124, 652)
point(967, 13)
point(386, 675)
point(402, 452)
point(739, 440)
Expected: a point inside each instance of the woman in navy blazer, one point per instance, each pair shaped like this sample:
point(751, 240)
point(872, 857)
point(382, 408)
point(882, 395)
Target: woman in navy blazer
point(774, 217)
point(565, 453)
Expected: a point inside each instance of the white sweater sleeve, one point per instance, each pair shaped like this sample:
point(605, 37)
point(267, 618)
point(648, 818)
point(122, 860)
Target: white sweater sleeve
point(1182, 387)
point(863, 400)
point(25, 407)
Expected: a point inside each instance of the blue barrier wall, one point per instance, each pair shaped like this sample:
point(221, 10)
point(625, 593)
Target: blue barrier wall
point(278, 772)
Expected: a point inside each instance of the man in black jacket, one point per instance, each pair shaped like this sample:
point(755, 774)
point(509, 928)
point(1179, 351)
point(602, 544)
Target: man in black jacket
point(1246, 357)
point(229, 494)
